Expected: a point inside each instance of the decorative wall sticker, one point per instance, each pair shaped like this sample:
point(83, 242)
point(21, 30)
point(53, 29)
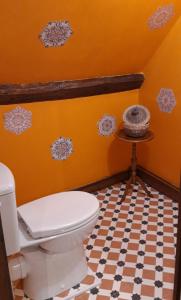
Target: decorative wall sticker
point(18, 120)
point(62, 148)
point(161, 16)
point(56, 33)
point(166, 100)
point(107, 125)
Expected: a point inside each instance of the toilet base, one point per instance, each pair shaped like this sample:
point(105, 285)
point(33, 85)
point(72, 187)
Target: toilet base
point(84, 287)
point(90, 282)
point(45, 299)
point(52, 274)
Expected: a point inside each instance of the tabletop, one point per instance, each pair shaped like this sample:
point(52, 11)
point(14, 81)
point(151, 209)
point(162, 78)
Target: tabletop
point(122, 136)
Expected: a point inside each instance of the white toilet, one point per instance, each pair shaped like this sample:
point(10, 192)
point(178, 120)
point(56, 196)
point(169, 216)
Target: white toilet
point(49, 234)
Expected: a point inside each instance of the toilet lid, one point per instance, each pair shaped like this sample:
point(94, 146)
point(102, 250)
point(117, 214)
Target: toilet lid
point(58, 213)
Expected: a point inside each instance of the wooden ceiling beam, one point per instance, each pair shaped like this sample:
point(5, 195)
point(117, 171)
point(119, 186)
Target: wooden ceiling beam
point(61, 90)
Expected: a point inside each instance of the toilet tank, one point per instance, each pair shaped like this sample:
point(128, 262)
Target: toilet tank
point(8, 211)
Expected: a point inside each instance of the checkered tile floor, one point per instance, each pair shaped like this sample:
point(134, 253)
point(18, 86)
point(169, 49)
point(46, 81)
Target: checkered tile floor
point(132, 247)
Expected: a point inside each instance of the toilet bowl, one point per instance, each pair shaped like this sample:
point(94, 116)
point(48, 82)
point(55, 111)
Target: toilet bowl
point(49, 232)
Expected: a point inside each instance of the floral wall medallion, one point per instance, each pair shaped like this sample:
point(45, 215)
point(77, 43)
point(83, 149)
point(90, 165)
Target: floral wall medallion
point(166, 100)
point(56, 33)
point(161, 16)
point(62, 148)
point(107, 125)
point(18, 120)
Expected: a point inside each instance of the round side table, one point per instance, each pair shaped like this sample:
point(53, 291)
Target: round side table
point(134, 141)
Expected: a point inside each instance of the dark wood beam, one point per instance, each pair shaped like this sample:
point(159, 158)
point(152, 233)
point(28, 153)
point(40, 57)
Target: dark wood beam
point(60, 90)
point(5, 283)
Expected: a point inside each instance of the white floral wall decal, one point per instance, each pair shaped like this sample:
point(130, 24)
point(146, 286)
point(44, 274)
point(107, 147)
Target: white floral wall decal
point(56, 33)
point(161, 16)
point(62, 148)
point(166, 100)
point(18, 120)
point(107, 125)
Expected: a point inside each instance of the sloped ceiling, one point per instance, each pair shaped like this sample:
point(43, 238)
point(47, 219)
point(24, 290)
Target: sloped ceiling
point(109, 37)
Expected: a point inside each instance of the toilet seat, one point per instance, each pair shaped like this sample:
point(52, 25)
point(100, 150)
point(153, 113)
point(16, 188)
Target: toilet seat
point(58, 213)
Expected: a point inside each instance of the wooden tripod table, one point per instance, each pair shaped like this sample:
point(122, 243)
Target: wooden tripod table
point(134, 178)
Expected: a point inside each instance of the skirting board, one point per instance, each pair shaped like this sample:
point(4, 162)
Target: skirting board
point(159, 184)
point(108, 181)
point(153, 180)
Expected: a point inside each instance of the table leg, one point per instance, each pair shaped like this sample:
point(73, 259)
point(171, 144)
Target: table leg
point(128, 186)
point(133, 163)
point(134, 178)
point(140, 181)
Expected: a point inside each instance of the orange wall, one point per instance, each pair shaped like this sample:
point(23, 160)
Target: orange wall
point(109, 37)
point(163, 155)
point(94, 157)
